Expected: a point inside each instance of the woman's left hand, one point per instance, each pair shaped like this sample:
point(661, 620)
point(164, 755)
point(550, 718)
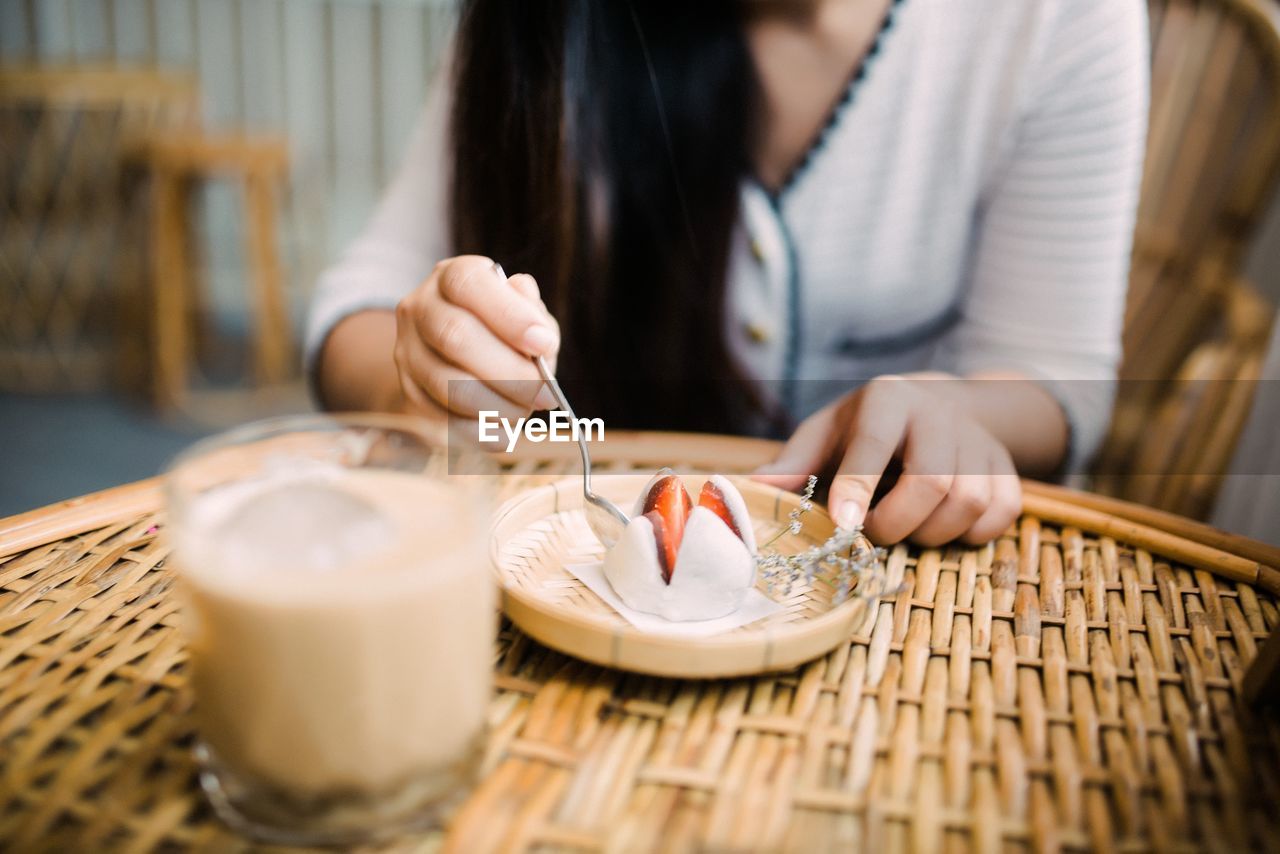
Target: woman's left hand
point(957, 482)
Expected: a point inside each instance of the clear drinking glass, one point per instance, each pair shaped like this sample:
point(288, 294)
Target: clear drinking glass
point(340, 616)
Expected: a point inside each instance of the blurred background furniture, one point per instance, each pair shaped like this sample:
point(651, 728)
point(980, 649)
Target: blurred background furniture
point(341, 82)
point(1249, 502)
point(174, 162)
point(72, 269)
point(98, 276)
point(1196, 331)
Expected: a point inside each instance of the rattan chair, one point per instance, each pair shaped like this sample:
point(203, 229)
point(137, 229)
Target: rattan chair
point(1195, 331)
point(72, 269)
point(97, 275)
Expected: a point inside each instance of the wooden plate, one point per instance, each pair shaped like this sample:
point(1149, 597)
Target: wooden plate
point(538, 532)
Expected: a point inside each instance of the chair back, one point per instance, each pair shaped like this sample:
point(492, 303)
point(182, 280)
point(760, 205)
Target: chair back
point(1213, 159)
point(72, 263)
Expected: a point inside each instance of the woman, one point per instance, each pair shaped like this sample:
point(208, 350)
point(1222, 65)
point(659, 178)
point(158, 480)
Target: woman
point(912, 216)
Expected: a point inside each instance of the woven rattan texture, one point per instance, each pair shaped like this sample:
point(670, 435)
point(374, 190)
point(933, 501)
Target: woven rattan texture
point(1049, 690)
point(72, 272)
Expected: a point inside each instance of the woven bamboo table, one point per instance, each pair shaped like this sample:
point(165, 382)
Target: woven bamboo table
point(1072, 685)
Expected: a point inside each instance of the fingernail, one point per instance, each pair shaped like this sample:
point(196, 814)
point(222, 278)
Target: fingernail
point(545, 399)
point(847, 514)
point(539, 340)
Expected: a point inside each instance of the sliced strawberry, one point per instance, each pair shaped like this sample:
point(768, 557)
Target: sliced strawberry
point(712, 498)
point(668, 501)
point(666, 549)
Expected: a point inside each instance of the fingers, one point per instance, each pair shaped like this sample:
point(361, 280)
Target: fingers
point(878, 428)
point(452, 388)
point(806, 452)
point(966, 501)
point(511, 311)
point(463, 341)
point(957, 481)
point(928, 472)
point(1005, 505)
point(985, 497)
point(527, 286)
point(459, 338)
point(969, 494)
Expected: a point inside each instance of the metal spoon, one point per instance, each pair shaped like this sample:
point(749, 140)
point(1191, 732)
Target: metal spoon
point(606, 519)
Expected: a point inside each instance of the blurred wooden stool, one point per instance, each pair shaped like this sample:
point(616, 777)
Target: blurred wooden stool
point(176, 162)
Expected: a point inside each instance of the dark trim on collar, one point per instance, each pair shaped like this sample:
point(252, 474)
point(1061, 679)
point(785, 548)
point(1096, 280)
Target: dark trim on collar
point(819, 141)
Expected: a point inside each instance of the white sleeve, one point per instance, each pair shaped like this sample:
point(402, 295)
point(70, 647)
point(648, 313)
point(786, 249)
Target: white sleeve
point(1054, 231)
point(406, 236)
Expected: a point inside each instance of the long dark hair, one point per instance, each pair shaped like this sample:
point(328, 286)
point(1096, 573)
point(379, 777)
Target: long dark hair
point(600, 146)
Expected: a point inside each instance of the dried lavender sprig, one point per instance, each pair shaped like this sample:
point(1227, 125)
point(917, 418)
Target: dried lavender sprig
point(795, 526)
point(843, 558)
point(852, 565)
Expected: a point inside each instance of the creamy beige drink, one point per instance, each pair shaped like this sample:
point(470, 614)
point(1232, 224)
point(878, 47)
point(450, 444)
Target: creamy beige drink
point(340, 624)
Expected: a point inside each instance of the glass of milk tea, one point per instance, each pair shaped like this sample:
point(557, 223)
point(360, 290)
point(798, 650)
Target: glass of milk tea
point(340, 616)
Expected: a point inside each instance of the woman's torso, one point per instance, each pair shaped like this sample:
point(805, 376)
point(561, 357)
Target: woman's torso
point(857, 266)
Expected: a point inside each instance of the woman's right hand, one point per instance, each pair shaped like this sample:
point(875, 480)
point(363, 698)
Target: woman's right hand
point(464, 340)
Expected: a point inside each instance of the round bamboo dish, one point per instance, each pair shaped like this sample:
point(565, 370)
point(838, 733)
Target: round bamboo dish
point(536, 534)
point(1077, 684)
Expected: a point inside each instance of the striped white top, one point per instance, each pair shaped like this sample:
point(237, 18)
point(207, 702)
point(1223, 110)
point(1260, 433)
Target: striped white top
point(970, 208)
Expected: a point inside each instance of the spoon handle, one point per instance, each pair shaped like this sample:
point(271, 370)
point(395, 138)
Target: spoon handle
point(563, 402)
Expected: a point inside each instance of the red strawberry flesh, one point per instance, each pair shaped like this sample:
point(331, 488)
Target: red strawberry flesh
point(712, 498)
point(668, 507)
point(666, 553)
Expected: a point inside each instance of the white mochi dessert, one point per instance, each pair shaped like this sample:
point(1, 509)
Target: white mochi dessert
point(683, 561)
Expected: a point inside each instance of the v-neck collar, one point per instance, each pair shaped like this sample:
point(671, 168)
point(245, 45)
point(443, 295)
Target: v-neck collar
point(819, 141)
